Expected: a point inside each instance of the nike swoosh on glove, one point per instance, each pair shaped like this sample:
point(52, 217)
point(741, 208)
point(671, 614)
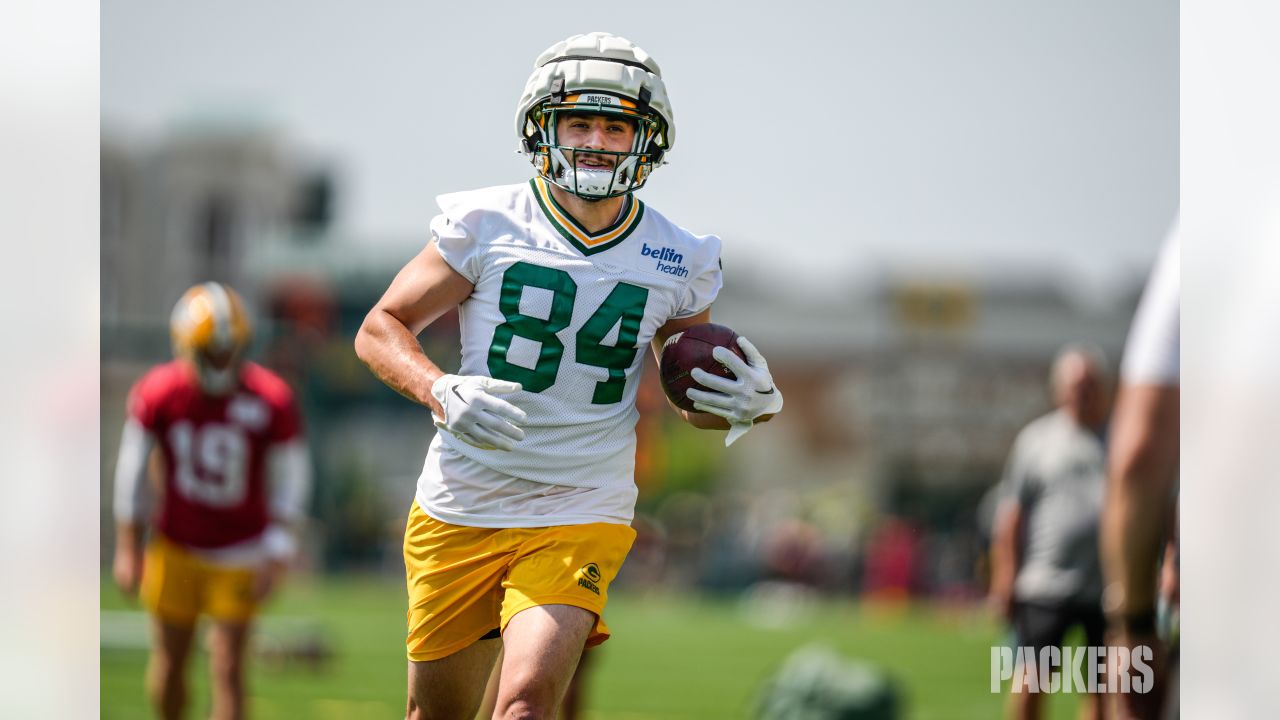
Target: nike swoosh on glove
point(750, 394)
point(475, 415)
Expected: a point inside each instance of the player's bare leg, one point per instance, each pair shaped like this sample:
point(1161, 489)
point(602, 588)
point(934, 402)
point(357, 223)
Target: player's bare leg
point(227, 646)
point(490, 700)
point(1093, 706)
point(1023, 705)
point(167, 667)
point(451, 687)
point(571, 707)
point(542, 646)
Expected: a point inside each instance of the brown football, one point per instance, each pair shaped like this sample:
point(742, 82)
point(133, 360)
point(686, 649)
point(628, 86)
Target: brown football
point(691, 349)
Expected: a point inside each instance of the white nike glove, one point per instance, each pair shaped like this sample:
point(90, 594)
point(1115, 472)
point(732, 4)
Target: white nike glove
point(474, 415)
point(740, 400)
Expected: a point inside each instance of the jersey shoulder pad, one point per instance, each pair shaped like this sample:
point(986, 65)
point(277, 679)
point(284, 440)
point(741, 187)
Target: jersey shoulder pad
point(149, 394)
point(469, 206)
point(1036, 432)
point(283, 420)
point(702, 251)
point(266, 384)
point(468, 220)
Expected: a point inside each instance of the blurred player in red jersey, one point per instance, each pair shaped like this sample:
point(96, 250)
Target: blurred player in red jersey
point(234, 478)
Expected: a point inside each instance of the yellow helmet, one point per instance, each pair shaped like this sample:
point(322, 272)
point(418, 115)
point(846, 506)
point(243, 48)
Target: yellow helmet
point(210, 329)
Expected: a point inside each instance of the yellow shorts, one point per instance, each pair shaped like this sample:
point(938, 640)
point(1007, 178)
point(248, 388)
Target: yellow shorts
point(465, 582)
point(178, 586)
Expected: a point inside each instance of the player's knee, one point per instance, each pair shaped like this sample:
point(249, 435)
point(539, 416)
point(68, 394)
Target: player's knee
point(525, 710)
point(439, 706)
point(167, 668)
point(226, 659)
point(529, 705)
point(227, 669)
point(418, 712)
point(166, 682)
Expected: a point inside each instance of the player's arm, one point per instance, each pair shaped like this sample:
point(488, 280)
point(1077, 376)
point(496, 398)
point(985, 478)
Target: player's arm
point(1142, 469)
point(425, 289)
point(704, 421)
point(131, 503)
point(288, 487)
point(1015, 491)
point(1005, 554)
point(466, 406)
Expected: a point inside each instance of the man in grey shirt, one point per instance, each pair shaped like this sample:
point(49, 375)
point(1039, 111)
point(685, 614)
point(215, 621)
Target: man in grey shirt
point(1046, 573)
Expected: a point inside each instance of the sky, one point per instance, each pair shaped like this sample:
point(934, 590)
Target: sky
point(822, 139)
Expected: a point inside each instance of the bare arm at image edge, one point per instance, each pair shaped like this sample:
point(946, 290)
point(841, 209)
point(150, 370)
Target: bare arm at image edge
point(1143, 460)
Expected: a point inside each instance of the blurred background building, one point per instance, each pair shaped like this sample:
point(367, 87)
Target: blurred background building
point(904, 387)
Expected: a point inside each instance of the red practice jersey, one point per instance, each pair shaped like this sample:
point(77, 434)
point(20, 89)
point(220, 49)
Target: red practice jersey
point(214, 450)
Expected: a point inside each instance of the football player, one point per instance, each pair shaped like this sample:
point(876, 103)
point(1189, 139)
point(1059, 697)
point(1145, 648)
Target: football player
point(522, 512)
point(234, 475)
point(1046, 576)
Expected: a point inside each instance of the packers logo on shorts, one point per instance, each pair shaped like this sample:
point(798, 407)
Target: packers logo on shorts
point(588, 576)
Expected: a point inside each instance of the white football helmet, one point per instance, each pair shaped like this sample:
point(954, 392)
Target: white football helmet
point(602, 74)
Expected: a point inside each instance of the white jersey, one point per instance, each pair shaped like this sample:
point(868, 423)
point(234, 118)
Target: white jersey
point(568, 315)
point(1152, 352)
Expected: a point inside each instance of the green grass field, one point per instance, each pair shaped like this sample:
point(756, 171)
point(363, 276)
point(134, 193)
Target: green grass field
point(671, 657)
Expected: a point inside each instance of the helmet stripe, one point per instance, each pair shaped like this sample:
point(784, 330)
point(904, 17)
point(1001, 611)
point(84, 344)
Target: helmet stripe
point(620, 61)
point(221, 314)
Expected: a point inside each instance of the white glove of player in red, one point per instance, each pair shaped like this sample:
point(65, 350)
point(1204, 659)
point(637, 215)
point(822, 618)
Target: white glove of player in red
point(740, 400)
point(474, 415)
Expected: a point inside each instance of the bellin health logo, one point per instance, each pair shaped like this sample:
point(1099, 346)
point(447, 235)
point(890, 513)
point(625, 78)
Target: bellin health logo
point(663, 256)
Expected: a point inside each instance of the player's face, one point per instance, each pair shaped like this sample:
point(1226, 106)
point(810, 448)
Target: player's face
point(1082, 391)
point(595, 132)
point(217, 370)
point(219, 359)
